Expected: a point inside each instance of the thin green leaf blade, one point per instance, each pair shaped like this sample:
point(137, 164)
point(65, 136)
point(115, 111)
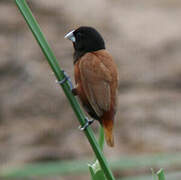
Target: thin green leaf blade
point(96, 171)
point(101, 137)
point(161, 175)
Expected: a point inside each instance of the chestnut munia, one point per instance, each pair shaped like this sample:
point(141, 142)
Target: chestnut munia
point(96, 77)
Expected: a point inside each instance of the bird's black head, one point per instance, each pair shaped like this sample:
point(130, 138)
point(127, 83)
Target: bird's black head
point(85, 39)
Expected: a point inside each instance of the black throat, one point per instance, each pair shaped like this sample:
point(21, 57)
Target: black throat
point(77, 55)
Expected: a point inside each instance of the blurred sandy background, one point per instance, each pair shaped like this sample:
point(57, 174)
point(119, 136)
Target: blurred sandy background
point(144, 37)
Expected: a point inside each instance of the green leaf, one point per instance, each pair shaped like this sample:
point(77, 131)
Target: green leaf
point(96, 171)
point(160, 174)
point(101, 137)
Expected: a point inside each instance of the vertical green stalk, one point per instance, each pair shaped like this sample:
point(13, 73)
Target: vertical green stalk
point(34, 27)
point(101, 138)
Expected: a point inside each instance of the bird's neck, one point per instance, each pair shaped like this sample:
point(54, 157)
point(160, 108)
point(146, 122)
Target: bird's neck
point(77, 55)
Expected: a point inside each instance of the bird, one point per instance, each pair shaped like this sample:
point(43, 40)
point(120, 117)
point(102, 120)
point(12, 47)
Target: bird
point(96, 78)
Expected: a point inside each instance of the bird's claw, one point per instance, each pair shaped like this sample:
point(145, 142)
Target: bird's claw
point(66, 78)
point(88, 122)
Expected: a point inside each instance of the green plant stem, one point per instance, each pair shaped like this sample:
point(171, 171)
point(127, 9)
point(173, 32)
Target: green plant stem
point(101, 138)
point(33, 25)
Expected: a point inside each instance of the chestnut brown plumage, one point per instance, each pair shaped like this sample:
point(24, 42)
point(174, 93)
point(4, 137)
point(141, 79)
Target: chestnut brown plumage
point(96, 77)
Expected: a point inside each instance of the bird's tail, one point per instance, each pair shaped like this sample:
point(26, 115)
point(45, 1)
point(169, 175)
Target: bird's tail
point(108, 131)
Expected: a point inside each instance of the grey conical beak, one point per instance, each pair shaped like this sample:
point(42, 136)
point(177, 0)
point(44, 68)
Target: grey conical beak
point(70, 36)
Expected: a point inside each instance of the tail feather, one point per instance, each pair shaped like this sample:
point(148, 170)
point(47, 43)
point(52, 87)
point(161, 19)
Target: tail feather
point(109, 136)
point(108, 131)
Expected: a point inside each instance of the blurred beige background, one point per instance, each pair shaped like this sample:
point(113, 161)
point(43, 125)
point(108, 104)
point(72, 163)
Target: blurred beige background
point(144, 37)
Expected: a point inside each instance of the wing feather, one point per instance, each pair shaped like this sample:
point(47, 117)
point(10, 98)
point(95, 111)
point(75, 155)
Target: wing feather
point(96, 80)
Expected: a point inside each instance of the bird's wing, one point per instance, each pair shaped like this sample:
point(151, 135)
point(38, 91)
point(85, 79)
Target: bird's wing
point(96, 78)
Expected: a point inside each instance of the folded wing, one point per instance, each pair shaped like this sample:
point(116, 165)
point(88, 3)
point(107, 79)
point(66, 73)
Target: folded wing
point(96, 80)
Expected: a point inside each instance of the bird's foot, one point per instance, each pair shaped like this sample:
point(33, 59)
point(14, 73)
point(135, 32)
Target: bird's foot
point(66, 78)
point(74, 91)
point(88, 122)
